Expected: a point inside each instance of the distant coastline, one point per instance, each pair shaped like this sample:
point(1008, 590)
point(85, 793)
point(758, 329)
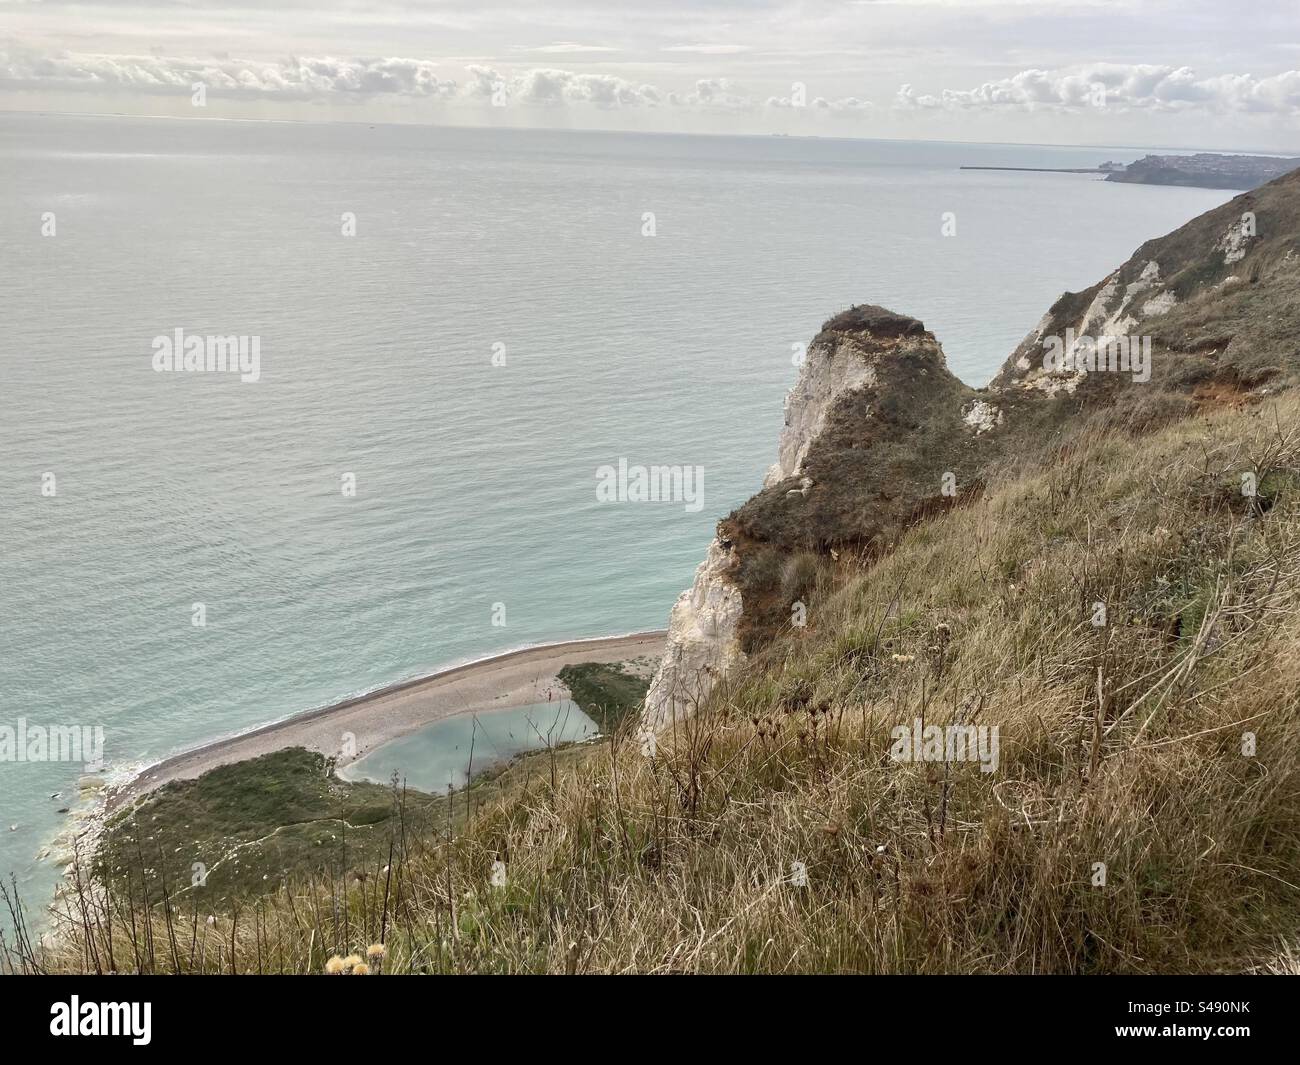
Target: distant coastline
point(1204, 170)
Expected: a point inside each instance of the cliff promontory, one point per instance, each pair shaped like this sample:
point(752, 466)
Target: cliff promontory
point(879, 434)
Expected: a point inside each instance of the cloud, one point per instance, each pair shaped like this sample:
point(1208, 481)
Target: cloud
point(842, 105)
point(326, 77)
point(296, 78)
point(714, 94)
point(848, 104)
point(550, 87)
point(1132, 87)
point(1125, 87)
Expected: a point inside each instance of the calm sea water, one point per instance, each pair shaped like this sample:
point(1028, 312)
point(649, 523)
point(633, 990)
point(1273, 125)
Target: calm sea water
point(475, 483)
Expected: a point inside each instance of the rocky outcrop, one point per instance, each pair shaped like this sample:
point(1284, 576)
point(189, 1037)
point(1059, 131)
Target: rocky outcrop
point(702, 644)
point(857, 377)
point(879, 434)
point(833, 366)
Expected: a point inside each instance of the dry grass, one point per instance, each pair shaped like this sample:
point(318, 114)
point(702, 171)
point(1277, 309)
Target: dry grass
point(1120, 744)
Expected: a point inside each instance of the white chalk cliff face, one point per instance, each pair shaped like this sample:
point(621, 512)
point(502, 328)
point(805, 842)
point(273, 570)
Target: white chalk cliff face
point(1114, 312)
point(830, 370)
point(1236, 241)
point(702, 642)
point(702, 629)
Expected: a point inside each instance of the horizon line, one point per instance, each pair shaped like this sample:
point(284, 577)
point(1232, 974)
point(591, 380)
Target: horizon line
point(47, 113)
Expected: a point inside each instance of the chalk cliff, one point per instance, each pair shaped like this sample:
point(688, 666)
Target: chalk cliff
point(879, 434)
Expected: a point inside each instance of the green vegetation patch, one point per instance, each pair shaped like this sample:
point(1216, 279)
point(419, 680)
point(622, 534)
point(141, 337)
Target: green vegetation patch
point(244, 828)
point(605, 692)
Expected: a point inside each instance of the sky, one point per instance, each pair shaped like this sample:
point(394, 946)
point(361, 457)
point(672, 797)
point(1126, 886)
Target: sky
point(1144, 73)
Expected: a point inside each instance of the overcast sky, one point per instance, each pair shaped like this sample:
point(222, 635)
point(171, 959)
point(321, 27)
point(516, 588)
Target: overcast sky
point(1183, 73)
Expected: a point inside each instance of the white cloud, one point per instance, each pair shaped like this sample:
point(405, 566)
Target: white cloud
point(1132, 86)
point(1128, 88)
point(326, 77)
point(549, 87)
point(845, 105)
point(715, 94)
point(849, 104)
point(298, 78)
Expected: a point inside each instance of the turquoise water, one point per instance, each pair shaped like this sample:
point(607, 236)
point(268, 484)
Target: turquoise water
point(448, 753)
point(475, 483)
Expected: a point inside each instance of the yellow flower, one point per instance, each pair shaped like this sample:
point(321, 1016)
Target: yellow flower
point(334, 966)
point(352, 961)
point(360, 969)
point(375, 951)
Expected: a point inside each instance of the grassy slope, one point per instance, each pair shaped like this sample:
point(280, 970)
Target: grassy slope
point(1120, 745)
point(605, 692)
point(285, 819)
point(283, 816)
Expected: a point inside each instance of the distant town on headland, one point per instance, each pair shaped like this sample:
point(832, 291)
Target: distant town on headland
point(1204, 170)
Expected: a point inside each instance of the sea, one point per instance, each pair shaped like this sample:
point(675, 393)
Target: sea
point(446, 334)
